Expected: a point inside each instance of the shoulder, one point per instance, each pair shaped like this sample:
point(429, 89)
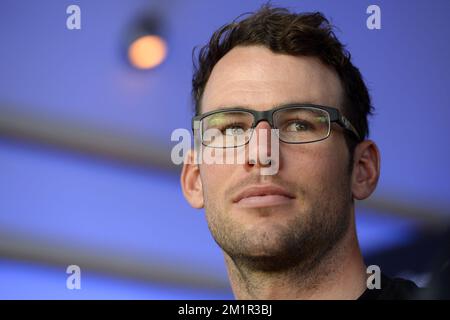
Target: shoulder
point(393, 289)
point(398, 288)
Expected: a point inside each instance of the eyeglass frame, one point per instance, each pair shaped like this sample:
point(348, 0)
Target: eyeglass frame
point(335, 115)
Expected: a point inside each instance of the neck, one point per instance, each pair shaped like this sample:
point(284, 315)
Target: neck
point(340, 274)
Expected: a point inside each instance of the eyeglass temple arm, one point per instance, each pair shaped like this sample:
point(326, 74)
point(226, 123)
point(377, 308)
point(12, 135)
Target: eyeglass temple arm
point(347, 125)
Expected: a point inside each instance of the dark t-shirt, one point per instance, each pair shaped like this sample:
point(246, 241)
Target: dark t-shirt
point(393, 289)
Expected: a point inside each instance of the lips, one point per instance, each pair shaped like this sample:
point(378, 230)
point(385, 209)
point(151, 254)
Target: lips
point(263, 196)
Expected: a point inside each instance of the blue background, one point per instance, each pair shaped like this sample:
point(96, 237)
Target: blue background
point(85, 173)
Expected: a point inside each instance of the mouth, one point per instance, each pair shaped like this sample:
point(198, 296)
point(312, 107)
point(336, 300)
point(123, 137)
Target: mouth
point(263, 196)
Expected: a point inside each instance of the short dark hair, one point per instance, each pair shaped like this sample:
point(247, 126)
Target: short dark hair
point(297, 34)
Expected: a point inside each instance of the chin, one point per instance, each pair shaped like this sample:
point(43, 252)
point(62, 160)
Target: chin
point(265, 241)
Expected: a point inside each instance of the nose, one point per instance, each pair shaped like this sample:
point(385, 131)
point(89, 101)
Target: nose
point(259, 146)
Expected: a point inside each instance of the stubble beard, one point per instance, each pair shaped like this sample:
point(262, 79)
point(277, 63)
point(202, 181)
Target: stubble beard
point(300, 243)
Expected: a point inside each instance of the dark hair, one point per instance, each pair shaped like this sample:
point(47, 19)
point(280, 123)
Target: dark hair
point(302, 34)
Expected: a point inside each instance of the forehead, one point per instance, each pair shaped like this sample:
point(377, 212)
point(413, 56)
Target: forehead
point(257, 78)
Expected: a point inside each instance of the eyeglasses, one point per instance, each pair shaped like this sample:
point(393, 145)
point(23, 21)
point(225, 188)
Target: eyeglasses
point(296, 124)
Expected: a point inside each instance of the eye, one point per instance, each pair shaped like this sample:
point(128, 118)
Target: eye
point(298, 126)
point(233, 130)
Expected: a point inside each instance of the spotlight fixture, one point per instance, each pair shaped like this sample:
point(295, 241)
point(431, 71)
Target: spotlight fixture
point(147, 48)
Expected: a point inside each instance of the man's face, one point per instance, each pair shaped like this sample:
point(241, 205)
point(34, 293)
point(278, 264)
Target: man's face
point(317, 213)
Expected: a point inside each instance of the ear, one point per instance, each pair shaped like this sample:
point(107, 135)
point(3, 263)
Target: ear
point(366, 169)
point(191, 182)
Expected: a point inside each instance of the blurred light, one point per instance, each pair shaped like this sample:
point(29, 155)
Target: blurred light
point(147, 52)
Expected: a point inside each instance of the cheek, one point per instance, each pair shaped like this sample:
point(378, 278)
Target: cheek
point(215, 179)
point(318, 167)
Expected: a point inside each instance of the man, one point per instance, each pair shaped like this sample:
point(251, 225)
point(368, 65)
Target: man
point(288, 235)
